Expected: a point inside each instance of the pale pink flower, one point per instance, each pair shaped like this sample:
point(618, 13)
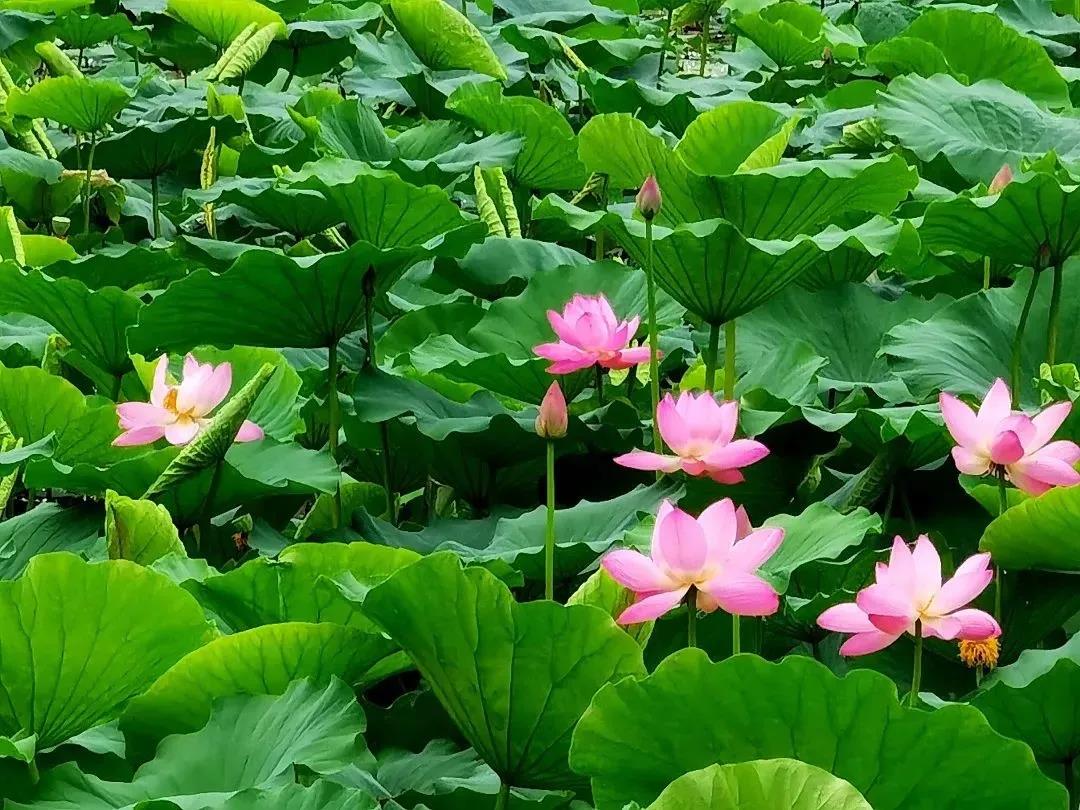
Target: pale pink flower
point(717, 553)
point(999, 439)
point(649, 199)
point(590, 334)
point(1003, 177)
point(180, 412)
point(552, 418)
point(701, 433)
point(908, 589)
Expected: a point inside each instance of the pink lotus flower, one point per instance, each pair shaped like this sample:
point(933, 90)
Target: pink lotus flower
point(179, 412)
point(997, 439)
point(909, 589)
point(552, 418)
point(589, 333)
point(700, 432)
point(718, 554)
point(649, 199)
point(1003, 177)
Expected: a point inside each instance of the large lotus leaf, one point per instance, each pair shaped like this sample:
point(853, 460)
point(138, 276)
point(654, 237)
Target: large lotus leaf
point(322, 795)
point(1011, 227)
point(981, 46)
point(819, 533)
point(37, 187)
point(140, 531)
point(726, 138)
point(42, 250)
point(794, 34)
point(221, 21)
point(633, 740)
point(901, 55)
point(582, 532)
point(35, 404)
point(86, 30)
point(965, 346)
point(548, 157)
point(1035, 700)
point(443, 37)
point(514, 677)
point(124, 266)
point(260, 661)
point(47, 527)
point(93, 321)
point(150, 148)
point(250, 741)
point(351, 130)
point(300, 586)
point(80, 639)
point(760, 785)
point(86, 105)
point(492, 268)
point(884, 243)
point(303, 303)
point(1038, 533)
point(978, 128)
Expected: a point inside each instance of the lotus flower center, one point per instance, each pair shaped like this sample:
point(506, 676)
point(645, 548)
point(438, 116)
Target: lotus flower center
point(169, 404)
point(697, 449)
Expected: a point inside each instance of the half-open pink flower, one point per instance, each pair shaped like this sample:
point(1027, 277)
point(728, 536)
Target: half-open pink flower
point(716, 553)
point(909, 589)
point(997, 439)
point(178, 413)
point(701, 433)
point(589, 334)
point(1003, 177)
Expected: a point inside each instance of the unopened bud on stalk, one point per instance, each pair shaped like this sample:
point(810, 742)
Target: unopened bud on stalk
point(649, 199)
point(827, 56)
point(1001, 179)
point(552, 419)
point(61, 226)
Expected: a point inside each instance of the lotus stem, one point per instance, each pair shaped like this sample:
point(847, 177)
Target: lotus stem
point(549, 535)
point(986, 272)
point(705, 39)
point(916, 674)
point(465, 7)
point(35, 776)
point(600, 247)
point(654, 349)
point(292, 69)
point(1070, 780)
point(502, 801)
point(667, 43)
point(1055, 311)
point(710, 357)
point(691, 617)
point(736, 633)
point(729, 360)
point(155, 205)
point(334, 419)
point(1018, 339)
point(86, 185)
point(369, 361)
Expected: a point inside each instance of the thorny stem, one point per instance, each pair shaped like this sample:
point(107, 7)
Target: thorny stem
point(369, 361)
point(705, 39)
point(599, 383)
point(1003, 504)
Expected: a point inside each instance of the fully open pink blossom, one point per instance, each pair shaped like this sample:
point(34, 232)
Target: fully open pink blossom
point(590, 334)
point(178, 413)
point(909, 589)
point(999, 439)
point(717, 553)
point(701, 433)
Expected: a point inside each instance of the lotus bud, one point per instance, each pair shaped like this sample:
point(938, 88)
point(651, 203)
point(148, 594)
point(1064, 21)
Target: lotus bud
point(649, 199)
point(552, 419)
point(1001, 179)
point(827, 56)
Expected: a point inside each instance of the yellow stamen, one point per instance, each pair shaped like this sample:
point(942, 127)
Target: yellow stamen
point(980, 654)
point(170, 400)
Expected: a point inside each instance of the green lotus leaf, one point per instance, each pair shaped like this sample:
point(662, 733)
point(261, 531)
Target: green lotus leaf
point(43, 6)
point(632, 741)
point(794, 34)
point(352, 130)
point(86, 105)
point(1037, 533)
point(978, 128)
point(760, 785)
point(140, 531)
point(321, 795)
point(300, 211)
point(37, 187)
point(1035, 700)
point(149, 149)
point(123, 266)
point(548, 157)
point(601, 591)
point(86, 30)
point(515, 678)
point(250, 741)
point(41, 250)
point(13, 458)
point(493, 267)
point(1012, 227)
point(305, 303)
point(300, 586)
point(71, 628)
point(981, 46)
point(901, 55)
point(963, 347)
point(94, 321)
point(47, 527)
point(443, 37)
point(259, 661)
point(221, 22)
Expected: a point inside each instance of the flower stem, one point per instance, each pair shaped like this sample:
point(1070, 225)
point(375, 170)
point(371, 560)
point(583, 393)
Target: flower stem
point(654, 362)
point(1055, 311)
point(691, 617)
point(710, 356)
point(986, 273)
point(916, 675)
point(86, 184)
point(729, 360)
point(549, 536)
point(601, 249)
point(333, 419)
point(736, 635)
point(155, 204)
point(1018, 339)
